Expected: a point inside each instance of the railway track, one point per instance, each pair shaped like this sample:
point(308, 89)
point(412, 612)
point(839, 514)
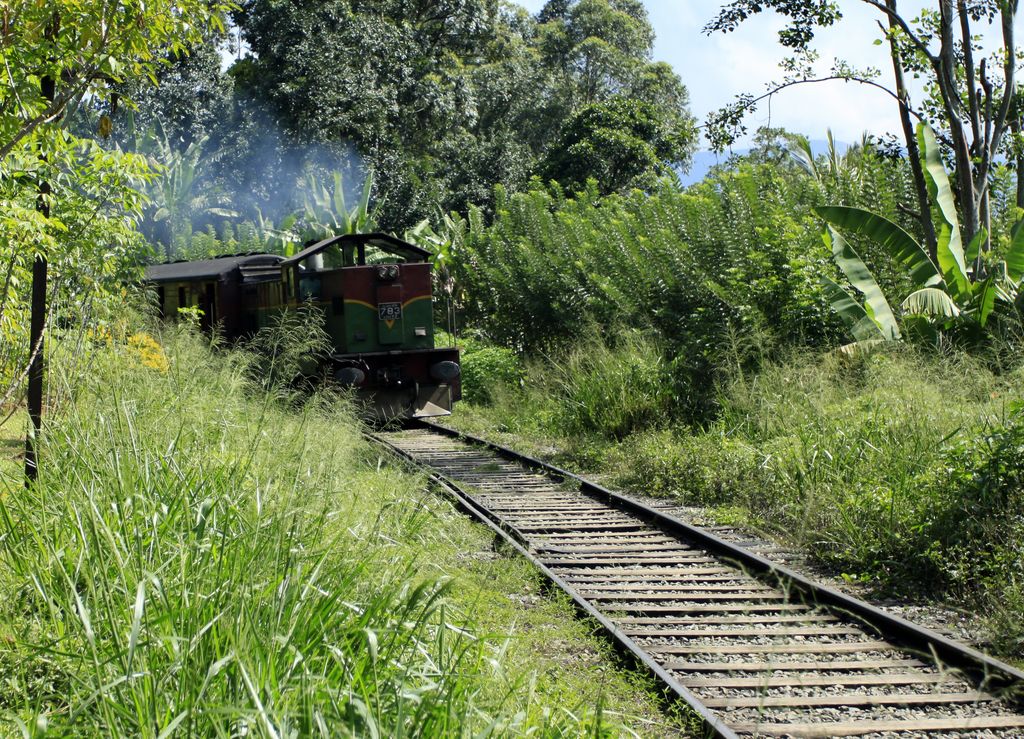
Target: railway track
point(753, 647)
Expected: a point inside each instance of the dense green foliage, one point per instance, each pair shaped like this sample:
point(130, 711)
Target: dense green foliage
point(211, 549)
point(956, 293)
point(56, 54)
point(441, 101)
point(617, 390)
point(622, 144)
point(722, 272)
point(484, 366)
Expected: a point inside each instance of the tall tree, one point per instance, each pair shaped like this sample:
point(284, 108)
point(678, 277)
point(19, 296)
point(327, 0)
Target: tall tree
point(85, 46)
point(445, 99)
point(969, 102)
point(192, 96)
point(390, 77)
point(603, 48)
point(623, 143)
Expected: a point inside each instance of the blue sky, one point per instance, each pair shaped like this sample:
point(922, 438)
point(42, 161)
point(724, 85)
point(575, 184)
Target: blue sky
point(717, 68)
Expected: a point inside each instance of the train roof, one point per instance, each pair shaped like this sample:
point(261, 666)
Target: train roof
point(254, 268)
point(385, 242)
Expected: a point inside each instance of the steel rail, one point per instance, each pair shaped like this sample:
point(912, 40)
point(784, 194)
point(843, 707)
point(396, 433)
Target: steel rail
point(990, 672)
point(468, 504)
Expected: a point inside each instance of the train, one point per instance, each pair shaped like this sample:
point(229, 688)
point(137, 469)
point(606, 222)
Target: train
point(375, 292)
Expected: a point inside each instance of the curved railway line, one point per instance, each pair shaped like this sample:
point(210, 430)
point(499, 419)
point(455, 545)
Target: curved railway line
point(753, 647)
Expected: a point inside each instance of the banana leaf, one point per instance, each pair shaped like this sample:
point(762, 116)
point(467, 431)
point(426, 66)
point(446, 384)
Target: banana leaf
point(875, 304)
point(1015, 254)
point(932, 302)
point(986, 300)
point(339, 194)
point(364, 201)
point(862, 326)
point(897, 242)
point(920, 330)
point(1006, 290)
point(974, 247)
point(950, 250)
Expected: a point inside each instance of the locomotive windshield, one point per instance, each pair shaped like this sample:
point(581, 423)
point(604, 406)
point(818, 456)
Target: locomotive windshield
point(351, 250)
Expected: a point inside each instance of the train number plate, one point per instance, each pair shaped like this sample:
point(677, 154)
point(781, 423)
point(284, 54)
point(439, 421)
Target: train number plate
point(389, 311)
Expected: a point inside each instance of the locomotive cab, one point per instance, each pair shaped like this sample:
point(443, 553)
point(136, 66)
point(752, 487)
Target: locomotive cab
point(375, 292)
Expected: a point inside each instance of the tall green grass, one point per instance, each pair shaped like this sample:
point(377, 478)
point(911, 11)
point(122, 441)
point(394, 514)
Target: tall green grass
point(895, 469)
point(856, 449)
point(198, 560)
point(605, 387)
point(615, 389)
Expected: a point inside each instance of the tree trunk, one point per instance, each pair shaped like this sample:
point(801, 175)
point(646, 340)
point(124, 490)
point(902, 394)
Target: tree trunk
point(1018, 168)
point(913, 152)
point(945, 66)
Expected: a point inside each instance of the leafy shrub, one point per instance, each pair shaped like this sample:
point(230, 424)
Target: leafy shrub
point(611, 390)
point(695, 268)
point(485, 367)
point(987, 472)
point(732, 261)
point(976, 523)
point(138, 347)
point(709, 469)
point(623, 143)
point(689, 265)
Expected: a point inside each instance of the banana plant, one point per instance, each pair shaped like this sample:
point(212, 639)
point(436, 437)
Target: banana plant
point(325, 213)
point(281, 239)
point(181, 193)
point(943, 293)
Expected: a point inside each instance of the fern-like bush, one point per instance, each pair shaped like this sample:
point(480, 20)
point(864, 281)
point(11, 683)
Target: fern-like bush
point(715, 272)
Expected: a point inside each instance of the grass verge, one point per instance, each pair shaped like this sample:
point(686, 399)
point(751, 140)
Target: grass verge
point(899, 470)
point(199, 559)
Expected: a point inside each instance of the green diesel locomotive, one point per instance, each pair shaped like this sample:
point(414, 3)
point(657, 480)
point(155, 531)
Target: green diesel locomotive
point(374, 292)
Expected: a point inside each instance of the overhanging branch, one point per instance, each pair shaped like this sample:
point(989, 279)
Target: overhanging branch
point(904, 26)
point(751, 103)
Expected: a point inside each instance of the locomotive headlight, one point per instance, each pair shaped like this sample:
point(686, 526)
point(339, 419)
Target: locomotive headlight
point(387, 272)
point(445, 371)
